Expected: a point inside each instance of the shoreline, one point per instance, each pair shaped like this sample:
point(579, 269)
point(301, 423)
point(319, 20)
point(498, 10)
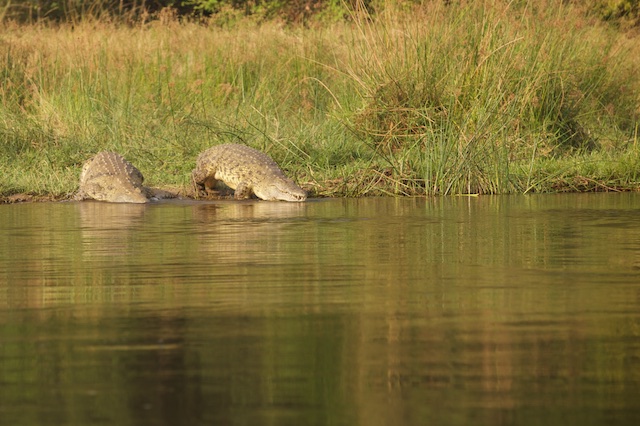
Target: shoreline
point(25, 198)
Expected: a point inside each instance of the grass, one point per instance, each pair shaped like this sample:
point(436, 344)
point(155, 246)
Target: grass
point(491, 98)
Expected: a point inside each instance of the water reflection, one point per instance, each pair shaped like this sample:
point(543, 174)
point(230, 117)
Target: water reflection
point(106, 228)
point(489, 310)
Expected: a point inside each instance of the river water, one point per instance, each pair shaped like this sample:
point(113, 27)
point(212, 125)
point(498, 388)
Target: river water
point(380, 311)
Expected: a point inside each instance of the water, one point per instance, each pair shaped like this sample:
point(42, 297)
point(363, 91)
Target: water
point(448, 311)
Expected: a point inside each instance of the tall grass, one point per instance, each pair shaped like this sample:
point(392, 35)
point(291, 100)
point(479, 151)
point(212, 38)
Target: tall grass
point(472, 99)
point(467, 98)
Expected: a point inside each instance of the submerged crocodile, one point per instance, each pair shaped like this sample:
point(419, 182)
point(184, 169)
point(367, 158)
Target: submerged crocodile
point(108, 176)
point(245, 170)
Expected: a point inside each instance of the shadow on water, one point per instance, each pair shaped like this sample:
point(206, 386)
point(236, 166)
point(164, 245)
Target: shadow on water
point(489, 310)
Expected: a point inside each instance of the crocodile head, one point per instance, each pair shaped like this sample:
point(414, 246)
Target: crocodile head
point(129, 197)
point(114, 189)
point(282, 189)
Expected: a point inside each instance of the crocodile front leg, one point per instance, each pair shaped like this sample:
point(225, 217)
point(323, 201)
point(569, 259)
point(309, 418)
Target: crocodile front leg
point(204, 185)
point(243, 191)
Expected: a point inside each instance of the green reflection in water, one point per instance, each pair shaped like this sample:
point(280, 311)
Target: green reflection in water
point(490, 310)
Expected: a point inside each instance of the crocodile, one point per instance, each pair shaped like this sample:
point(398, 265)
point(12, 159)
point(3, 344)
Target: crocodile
point(245, 170)
point(108, 176)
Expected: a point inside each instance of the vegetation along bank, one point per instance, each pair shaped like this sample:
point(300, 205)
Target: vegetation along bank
point(350, 98)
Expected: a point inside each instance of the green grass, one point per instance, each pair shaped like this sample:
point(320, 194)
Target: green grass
point(494, 98)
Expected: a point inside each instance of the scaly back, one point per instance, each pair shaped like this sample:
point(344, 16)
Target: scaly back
point(110, 164)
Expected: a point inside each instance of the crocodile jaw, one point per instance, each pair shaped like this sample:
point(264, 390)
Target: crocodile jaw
point(285, 190)
point(132, 197)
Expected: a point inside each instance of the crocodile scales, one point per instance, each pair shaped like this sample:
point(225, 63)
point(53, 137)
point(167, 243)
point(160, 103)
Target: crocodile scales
point(108, 176)
point(246, 170)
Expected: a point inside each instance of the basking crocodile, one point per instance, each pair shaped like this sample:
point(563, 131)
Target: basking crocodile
point(108, 176)
point(245, 170)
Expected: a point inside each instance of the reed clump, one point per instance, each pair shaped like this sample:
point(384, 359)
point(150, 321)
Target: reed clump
point(428, 99)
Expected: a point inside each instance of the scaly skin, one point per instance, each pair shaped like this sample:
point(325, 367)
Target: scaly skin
point(245, 170)
point(109, 177)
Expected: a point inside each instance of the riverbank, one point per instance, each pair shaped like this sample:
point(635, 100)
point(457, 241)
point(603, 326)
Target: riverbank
point(435, 100)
